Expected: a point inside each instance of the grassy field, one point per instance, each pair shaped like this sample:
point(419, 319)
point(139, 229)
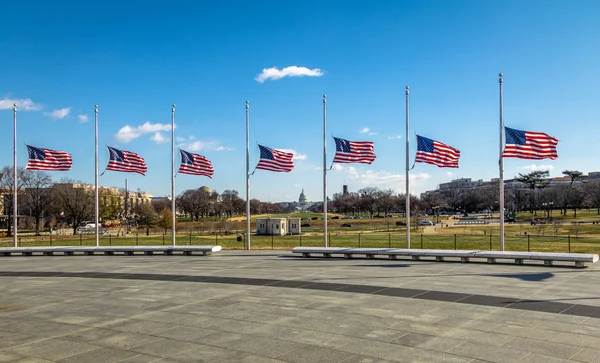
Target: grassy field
point(369, 239)
point(559, 235)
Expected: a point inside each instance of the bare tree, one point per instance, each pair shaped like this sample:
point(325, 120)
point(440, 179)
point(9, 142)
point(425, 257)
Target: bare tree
point(7, 189)
point(74, 200)
point(534, 180)
point(38, 196)
point(592, 194)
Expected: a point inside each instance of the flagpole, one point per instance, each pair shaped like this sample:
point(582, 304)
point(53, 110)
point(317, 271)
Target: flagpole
point(501, 164)
point(96, 237)
point(407, 176)
point(173, 215)
point(15, 210)
point(325, 171)
point(247, 177)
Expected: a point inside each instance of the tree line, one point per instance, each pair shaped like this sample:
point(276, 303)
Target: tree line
point(49, 204)
point(43, 203)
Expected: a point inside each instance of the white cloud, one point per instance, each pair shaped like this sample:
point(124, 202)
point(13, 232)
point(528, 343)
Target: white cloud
point(83, 118)
point(223, 148)
point(25, 104)
point(381, 179)
point(128, 133)
point(366, 130)
point(394, 137)
point(180, 139)
point(535, 167)
point(191, 144)
point(293, 71)
point(194, 146)
point(159, 138)
point(58, 114)
point(296, 156)
point(449, 173)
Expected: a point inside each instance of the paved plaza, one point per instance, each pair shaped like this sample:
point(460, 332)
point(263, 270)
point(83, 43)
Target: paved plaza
point(270, 306)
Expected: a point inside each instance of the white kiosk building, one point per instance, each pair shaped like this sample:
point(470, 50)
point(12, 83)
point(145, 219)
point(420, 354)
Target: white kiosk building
point(271, 226)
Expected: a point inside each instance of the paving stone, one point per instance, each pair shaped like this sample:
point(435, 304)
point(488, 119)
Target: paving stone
point(9, 357)
point(102, 355)
point(52, 349)
point(126, 340)
point(526, 332)
point(204, 353)
point(311, 354)
point(539, 358)
point(587, 355)
point(165, 348)
point(488, 353)
point(251, 358)
point(552, 349)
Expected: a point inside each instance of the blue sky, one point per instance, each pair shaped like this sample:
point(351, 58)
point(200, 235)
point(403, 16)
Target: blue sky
point(134, 59)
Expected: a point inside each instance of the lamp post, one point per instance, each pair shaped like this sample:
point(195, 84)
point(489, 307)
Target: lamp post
point(545, 205)
point(550, 210)
point(437, 213)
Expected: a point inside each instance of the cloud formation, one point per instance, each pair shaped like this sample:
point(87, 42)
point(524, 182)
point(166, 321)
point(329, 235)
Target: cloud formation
point(394, 137)
point(535, 167)
point(25, 104)
point(296, 156)
point(58, 114)
point(83, 118)
point(128, 133)
point(366, 130)
point(381, 179)
point(159, 138)
point(293, 71)
point(191, 144)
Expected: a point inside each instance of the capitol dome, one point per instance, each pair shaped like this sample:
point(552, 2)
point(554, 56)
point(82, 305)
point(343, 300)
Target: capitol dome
point(302, 198)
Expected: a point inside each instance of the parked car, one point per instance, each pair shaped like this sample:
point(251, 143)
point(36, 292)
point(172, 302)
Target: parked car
point(510, 220)
point(425, 222)
point(305, 225)
point(400, 223)
point(346, 225)
point(335, 217)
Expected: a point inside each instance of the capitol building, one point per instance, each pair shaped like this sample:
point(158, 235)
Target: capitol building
point(301, 205)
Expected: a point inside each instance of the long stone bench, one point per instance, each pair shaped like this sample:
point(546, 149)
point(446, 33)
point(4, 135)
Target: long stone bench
point(108, 250)
point(440, 255)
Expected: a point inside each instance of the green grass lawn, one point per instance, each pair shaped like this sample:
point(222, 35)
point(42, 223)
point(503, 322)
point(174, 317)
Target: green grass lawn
point(374, 239)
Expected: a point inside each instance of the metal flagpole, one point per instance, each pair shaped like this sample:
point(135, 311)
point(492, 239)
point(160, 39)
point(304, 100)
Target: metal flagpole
point(15, 210)
point(501, 164)
point(325, 171)
point(407, 176)
point(247, 177)
point(173, 216)
point(96, 234)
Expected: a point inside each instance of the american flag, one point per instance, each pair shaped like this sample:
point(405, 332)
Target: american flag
point(275, 160)
point(127, 161)
point(434, 152)
point(529, 145)
point(353, 151)
point(195, 164)
point(46, 159)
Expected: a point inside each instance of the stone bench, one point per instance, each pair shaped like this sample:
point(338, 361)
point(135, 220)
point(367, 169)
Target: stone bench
point(440, 255)
point(108, 250)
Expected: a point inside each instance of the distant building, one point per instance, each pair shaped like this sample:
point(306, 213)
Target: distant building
point(271, 226)
point(345, 189)
point(294, 226)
